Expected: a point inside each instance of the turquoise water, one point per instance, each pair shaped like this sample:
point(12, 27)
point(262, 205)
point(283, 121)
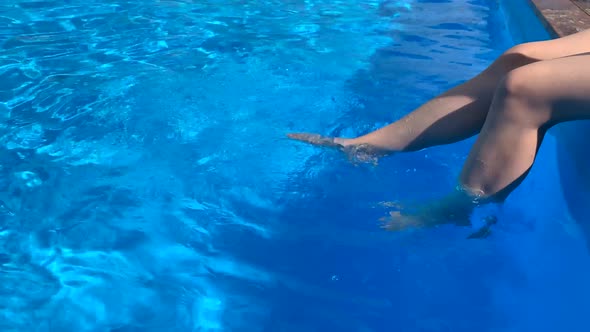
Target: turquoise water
point(146, 183)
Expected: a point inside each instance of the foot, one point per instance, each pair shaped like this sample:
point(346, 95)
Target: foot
point(356, 153)
point(453, 209)
point(422, 217)
point(320, 140)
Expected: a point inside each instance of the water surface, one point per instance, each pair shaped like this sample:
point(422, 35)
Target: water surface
point(147, 185)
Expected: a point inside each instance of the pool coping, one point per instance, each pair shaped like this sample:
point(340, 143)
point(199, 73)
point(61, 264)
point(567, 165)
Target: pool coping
point(563, 17)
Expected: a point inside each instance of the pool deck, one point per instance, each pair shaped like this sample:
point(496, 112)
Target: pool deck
point(563, 17)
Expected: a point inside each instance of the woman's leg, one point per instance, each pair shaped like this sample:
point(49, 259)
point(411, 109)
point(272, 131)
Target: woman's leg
point(460, 112)
point(528, 101)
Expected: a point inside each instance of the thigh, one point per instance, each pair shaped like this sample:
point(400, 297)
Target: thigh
point(556, 48)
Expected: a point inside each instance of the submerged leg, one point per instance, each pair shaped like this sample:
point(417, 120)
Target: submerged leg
point(529, 100)
point(460, 112)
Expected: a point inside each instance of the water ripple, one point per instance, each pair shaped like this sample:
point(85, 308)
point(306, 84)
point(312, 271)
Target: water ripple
point(143, 160)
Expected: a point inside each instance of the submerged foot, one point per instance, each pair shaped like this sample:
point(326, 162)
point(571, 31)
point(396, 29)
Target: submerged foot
point(356, 153)
point(455, 208)
point(422, 217)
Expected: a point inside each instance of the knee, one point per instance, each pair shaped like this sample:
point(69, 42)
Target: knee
point(521, 93)
point(524, 50)
point(519, 55)
point(525, 83)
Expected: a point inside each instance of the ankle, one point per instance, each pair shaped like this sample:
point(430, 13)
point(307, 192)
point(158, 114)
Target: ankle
point(367, 144)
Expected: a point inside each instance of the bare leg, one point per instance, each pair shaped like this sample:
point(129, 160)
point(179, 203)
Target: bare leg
point(460, 112)
point(449, 117)
point(528, 101)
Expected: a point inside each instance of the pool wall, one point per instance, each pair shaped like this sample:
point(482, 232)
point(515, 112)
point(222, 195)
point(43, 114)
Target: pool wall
point(531, 20)
point(522, 21)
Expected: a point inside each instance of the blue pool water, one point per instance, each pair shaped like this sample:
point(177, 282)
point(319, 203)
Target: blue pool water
point(147, 185)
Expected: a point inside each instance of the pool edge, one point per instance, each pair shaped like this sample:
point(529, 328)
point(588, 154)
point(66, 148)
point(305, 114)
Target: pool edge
point(561, 17)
